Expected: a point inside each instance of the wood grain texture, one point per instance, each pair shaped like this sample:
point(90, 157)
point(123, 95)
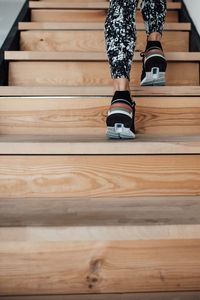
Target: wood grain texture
point(106, 91)
point(80, 115)
point(128, 296)
point(99, 267)
point(85, 5)
point(120, 233)
point(90, 56)
point(96, 144)
point(84, 41)
point(90, 73)
point(90, 26)
point(142, 211)
point(83, 15)
point(99, 176)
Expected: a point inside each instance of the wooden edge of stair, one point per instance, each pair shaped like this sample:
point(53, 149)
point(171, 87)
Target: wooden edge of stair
point(129, 296)
point(89, 56)
point(93, 145)
point(90, 26)
point(32, 91)
point(87, 5)
point(85, 234)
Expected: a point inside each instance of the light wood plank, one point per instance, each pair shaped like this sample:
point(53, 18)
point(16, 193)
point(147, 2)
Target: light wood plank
point(84, 15)
point(56, 15)
point(120, 233)
point(96, 73)
point(90, 26)
point(96, 144)
point(90, 56)
point(85, 5)
point(164, 116)
point(140, 211)
point(164, 91)
point(93, 40)
point(99, 176)
point(99, 267)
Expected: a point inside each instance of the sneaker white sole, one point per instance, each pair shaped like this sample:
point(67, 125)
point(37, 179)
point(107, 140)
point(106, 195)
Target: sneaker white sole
point(155, 78)
point(119, 132)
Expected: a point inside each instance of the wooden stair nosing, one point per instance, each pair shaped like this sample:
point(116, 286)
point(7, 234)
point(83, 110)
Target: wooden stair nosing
point(97, 145)
point(129, 296)
point(32, 91)
point(138, 211)
point(87, 5)
point(93, 234)
point(89, 56)
point(90, 26)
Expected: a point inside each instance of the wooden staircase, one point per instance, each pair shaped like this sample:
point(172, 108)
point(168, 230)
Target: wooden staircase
point(83, 217)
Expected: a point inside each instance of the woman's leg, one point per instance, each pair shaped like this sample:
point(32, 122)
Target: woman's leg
point(154, 62)
point(120, 37)
point(154, 13)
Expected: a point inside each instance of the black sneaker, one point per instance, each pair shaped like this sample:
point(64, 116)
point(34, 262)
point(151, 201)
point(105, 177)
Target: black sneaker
point(121, 118)
point(154, 67)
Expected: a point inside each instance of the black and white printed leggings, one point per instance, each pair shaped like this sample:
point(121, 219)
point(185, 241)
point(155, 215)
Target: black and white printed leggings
point(120, 31)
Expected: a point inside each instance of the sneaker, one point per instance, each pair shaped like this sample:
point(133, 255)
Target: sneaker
point(121, 118)
point(154, 67)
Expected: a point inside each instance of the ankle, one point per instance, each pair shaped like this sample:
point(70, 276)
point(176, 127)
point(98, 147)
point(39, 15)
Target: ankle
point(155, 36)
point(121, 84)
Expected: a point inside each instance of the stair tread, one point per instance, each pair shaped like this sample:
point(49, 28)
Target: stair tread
point(87, 5)
point(167, 91)
point(90, 56)
point(98, 145)
point(90, 26)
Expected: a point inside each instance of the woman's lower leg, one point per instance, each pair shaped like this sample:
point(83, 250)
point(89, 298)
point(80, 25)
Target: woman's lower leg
point(120, 37)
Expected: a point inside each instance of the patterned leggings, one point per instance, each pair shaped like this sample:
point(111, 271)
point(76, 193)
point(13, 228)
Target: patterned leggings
point(120, 31)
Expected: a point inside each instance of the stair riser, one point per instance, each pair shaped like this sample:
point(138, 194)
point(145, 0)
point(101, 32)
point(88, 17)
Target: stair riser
point(90, 73)
point(64, 15)
point(85, 41)
point(99, 267)
point(134, 211)
point(99, 176)
point(79, 116)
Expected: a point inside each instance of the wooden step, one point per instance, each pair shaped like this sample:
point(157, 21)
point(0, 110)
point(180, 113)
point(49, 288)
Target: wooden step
point(85, 5)
point(65, 115)
point(95, 144)
point(91, 73)
point(150, 91)
point(39, 267)
point(95, 234)
point(85, 15)
point(90, 26)
point(92, 40)
point(121, 296)
point(133, 211)
point(23, 176)
point(91, 56)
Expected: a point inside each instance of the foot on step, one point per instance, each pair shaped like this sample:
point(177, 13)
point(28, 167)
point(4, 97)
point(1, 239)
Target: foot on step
point(154, 65)
point(121, 117)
